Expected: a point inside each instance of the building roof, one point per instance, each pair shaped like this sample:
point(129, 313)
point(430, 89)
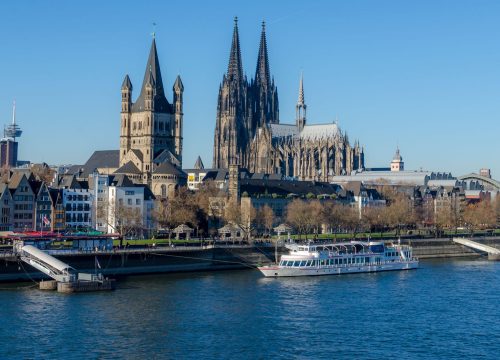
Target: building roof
point(167, 168)
point(69, 182)
point(182, 229)
point(101, 159)
point(199, 164)
point(178, 83)
point(74, 169)
point(16, 179)
point(393, 177)
point(164, 156)
point(319, 131)
point(152, 76)
point(283, 130)
point(285, 187)
point(446, 183)
point(397, 156)
point(120, 180)
point(127, 84)
point(128, 168)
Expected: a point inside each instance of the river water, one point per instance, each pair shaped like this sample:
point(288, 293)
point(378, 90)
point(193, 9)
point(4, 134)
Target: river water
point(447, 309)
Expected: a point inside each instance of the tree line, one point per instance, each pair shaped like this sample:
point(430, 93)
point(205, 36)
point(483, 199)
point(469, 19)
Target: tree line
point(206, 209)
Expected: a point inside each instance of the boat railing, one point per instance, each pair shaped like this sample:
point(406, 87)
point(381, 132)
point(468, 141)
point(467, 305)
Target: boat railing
point(382, 262)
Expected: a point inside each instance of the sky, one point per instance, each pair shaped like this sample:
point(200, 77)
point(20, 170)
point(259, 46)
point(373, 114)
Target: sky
point(421, 75)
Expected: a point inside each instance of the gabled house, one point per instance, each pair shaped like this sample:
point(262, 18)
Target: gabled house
point(6, 208)
point(43, 209)
point(24, 202)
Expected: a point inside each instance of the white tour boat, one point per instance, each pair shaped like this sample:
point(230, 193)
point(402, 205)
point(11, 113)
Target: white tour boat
point(342, 258)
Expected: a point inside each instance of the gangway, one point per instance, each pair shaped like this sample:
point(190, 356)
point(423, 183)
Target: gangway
point(66, 278)
point(49, 265)
point(493, 253)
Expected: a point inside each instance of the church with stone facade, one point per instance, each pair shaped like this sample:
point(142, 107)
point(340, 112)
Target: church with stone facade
point(248, 131)
point(151, 131)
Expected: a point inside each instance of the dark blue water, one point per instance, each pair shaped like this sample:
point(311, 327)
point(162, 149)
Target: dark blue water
point(445, 310)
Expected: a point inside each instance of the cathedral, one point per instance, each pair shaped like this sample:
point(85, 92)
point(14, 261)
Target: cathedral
point(248, 131)
point(151, 131)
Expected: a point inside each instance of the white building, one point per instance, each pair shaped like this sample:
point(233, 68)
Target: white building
point(122, 206)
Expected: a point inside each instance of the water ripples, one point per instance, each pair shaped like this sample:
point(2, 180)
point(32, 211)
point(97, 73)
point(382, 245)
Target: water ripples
point(446, 309)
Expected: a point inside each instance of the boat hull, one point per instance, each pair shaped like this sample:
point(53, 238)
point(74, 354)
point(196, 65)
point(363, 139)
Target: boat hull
point(277, 271)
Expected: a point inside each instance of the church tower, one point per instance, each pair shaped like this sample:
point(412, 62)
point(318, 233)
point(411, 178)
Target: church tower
point(151, 127)
point(178, 101)
point(242, 107)
point(265, 93)
point(231, 128)
point(125, 116)
point(301, 107)
point(397, 163)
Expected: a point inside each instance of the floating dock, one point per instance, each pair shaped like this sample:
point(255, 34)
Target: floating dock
point(66, 278)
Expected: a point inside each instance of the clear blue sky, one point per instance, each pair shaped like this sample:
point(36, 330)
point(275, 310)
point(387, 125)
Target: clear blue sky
point(424, 75)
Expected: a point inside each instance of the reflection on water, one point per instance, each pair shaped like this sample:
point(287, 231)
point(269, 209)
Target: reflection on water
point(446, 309)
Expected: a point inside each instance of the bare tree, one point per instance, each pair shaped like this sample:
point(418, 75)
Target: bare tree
point(480, 216)
point(351, 221)
point(316, 220)
point(243, 215)
point(125, 220)
point(43, 173)
point(299, 216)
point(374, 217)
point(332, 215)
point(443, 219)
point(265, 217)
point(399, 213)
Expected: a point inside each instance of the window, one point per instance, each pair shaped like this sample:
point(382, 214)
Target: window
point(129, 201)
point(129, 192)
point(138, 201)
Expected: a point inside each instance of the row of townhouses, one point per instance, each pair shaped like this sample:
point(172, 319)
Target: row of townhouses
point(105, 203)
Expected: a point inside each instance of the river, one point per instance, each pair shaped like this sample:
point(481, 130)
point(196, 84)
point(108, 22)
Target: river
point(447, 309)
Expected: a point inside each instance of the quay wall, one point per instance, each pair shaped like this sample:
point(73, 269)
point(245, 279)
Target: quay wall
point(445, 247)
point(124, 262)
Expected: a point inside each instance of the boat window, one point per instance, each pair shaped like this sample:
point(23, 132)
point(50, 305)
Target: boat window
point(302, 263)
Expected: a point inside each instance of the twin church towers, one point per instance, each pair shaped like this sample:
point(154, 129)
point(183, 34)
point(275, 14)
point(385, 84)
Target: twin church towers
point(247, 130)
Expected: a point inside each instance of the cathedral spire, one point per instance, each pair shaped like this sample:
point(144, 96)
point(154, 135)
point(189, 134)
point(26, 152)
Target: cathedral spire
point(301, 107)
point(262, 76)
point(235, 68)
point(301, 90)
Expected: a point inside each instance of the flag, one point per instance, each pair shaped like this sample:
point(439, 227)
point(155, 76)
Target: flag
point(45, 220)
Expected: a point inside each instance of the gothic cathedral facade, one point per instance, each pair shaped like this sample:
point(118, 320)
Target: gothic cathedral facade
point(248, 131)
